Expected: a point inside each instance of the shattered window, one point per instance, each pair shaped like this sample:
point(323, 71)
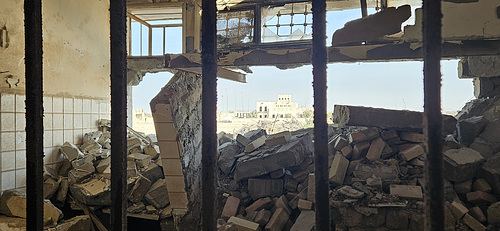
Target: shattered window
point(288, 22)
point(235, 27)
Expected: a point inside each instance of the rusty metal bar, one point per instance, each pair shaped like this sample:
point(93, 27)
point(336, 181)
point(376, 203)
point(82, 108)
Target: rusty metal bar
point(34, 113)
point(257, 25)
point(209, 125)
point(319, 59)
point(364, 10)
point(383, 4)
point(118, 30)
point(433, 125)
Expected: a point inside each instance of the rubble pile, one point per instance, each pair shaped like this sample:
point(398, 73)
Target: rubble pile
point(376, 174)
point(83, 180)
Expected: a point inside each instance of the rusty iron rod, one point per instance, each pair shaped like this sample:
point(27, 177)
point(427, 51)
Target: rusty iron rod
point(433, 125)
point(34, 113)
point(118, 32)
point(319, 59)
point(209, 125)
point(364, 10)
point(257, 27)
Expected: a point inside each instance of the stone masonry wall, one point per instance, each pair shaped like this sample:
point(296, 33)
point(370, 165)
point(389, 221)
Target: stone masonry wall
point(182, 98)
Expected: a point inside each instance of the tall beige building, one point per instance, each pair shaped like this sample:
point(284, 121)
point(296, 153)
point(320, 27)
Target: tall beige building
point(283, 108)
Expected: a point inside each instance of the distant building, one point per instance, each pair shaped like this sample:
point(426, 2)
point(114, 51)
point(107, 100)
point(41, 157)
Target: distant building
point(283, 108)
point(242, 114)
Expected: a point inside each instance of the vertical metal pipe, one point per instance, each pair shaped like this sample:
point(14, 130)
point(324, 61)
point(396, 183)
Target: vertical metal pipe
point(118, 30)
point(383, 4)
point(209, 125)
point(319, 60)
point(257, 25)
point(364, 10)
point(434, 190)
point(34, 113)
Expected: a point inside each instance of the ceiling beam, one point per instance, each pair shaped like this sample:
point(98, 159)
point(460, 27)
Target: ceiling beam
point(293, 57)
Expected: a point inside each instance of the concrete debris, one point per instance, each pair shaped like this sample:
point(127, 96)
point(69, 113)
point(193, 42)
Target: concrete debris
point(70, 151)
point(278, 138)
point(158, 194)
point(258, 188)
point(80, 223)
point(140, 189)
point(461, 164)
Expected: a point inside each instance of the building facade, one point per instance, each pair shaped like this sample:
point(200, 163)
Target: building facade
point(284, 107)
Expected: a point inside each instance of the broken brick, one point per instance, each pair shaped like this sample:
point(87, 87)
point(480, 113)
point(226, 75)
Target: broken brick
point(282, 202)
point(258, 188)
point(461, 164)
point(412, 137)
point(70, 151)
point(376, 148)
point(262, 217)
point(473, 223)
point(338, 169)
point(305, 204)
point(230, 208)
point(359, 150)
point(411, 153)
point(262, 203)
point(481, 185)
point(244, 225)
point(305, 221)
point(478, 214)
point(406, 191)
point(278, 138)
point(356, 137)
point(157, 194)
point(458, 209)
point(278, 220)
point(480, 197)
point(140, 188)
point(257, 143)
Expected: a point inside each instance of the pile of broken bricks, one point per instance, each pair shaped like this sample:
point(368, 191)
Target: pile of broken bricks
point(83, 178)
point(376, 178)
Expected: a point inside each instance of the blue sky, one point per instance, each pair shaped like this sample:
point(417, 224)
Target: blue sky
point(395, 85)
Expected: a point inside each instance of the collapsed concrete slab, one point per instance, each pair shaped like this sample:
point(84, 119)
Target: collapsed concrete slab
point(385, 118)
point(290, 154)
point(93, 192)
point(13, 203)
point(461, 164)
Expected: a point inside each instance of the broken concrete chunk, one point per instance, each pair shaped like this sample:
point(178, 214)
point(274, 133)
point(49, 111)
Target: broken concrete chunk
point(350, 192)
point(278, 138)
point(78, 175)
point(478, 214)
point(134, 144)
point(494, 214)
point(473, 223)
point(356, 137)
point(158, 194)
point(481, 185)
point(63, 189)
point(305, 221)
point(78, 223)
point(412, 137)
point(96, 135)
point(480, 197)
point(242, 140)
point(140, 188)
point(141, 160)
point(458, 209)
point(305, 204)
point(359, 150)
point(255, 134)
point(92, 192)
point(282, 202)
point(407, 191)
point(470, 128)
point(91, 146)
point(262, 217)
point(227, 157)
point(86, 159)
point(262, 203)
point(153, 173)
point(70, 151)
point(103, 164)
point(463, 187)
point(152, 150)
point(258, 188)
point(244, 225)
point(13, 203)
point(387, 171)
point(461, 164)
point(64, 168)
point(230, 208)
point(131, 169)
point(490, 171)
point(338, 169)
point(290, 154)
point(257, 143)
point(50, 186)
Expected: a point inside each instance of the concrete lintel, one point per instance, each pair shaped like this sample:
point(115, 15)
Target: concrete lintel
point(221, 73)
point(479, 67)
point(292, 57)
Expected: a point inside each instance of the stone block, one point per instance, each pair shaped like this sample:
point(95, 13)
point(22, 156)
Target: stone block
point(230, 208)
point(278, 220)
point(386, 171)
point(461, 164)
point(178, 200)
point(311, 188)
point(412, 152)
point(340, 143)
point(282, 202)
point(473, 223)
point(257, 143)
point(77, 175)
point(481, 185)
point(356, 137)
point(91, 147)
point(490, 171)
point(103, 164)
point(305, 204)
point(287, 155)
point(389, 134)
point(255, 134)
point(412, 137)
point(152, 150)
point(359, 150)
point(243, 225)
point(70, 151)
point(406, 191)
point(478, 214)
point(376, 148)
point(347, 151)
point(305, 221)
point(258, 188)
point(278, 138)
point(463, 187)
point(141, 160)
point(140, 189)
point(242, 140)
point(338, 169)
point(158, 195)
point(470, 128)
point(133, 143)
point(86, 159)
point(491, 134)
point(262, 203)
point(458, 209)
point(493, 214)
point(131, 169)
point(262, 217)
point(480, 197)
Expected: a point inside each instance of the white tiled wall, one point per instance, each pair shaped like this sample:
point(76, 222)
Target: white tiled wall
point(65, 119)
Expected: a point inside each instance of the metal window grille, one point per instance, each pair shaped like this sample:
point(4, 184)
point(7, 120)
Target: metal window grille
point(289, 22)
point(235, 27)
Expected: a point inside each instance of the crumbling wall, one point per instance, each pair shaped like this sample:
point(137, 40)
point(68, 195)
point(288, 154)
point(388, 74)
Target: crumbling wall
point(75, 48)
point(179, 104)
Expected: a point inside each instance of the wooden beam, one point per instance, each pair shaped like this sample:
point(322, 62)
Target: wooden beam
point(138, 19)
point(291, 57)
